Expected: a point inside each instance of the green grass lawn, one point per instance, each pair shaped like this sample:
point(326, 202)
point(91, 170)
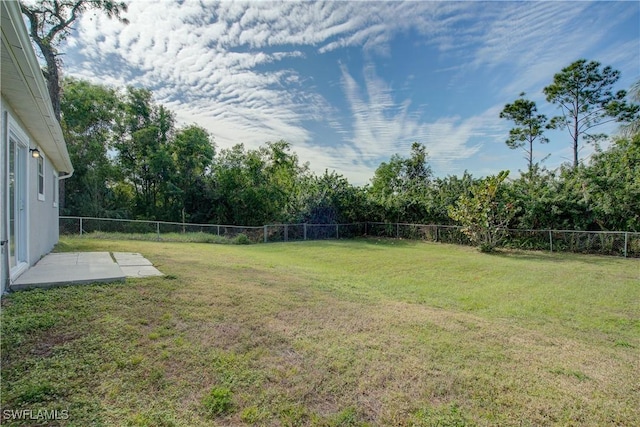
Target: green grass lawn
point(332, 333)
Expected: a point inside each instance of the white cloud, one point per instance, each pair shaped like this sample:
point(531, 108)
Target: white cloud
point(383, 126)
point(227, 66)
point(535, 40)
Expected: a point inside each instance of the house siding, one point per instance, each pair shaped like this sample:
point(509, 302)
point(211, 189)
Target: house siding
point(27, 112)
point(42, 215)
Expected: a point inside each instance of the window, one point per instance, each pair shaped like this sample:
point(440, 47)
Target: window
point(40, 178)
point(54, 190)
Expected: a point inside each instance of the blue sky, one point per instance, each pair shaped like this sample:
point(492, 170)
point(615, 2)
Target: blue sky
point(349, 84)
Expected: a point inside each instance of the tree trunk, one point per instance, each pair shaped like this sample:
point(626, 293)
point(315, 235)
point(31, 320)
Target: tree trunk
point(53, 84)
point(53, 79)
point(530, 156)
point(576, 108)
point(575, 146)
point(58, 22)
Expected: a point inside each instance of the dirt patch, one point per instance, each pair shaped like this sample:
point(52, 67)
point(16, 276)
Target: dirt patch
point(46, 344)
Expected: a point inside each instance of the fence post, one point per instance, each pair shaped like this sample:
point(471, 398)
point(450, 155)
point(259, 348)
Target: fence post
point(550, 241)
point(305, 230)
point(397, 230)
point(626, 242)
point(158, 230)
point(265, 233)
point(81, 226)
point(436, 233)
point(286, 232)
point(337, 234)
point(365, 227)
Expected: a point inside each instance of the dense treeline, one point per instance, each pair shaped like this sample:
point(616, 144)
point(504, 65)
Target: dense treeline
point(132, 161)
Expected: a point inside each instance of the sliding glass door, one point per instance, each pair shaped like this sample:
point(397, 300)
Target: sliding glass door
point(17, 214)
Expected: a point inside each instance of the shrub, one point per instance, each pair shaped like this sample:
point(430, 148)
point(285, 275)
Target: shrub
point(241, 239)
point(483, 213)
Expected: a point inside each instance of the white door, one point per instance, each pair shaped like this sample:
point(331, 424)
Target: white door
point(17, 208)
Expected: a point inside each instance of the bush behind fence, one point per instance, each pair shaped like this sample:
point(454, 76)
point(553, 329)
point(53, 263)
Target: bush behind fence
point(593, 242)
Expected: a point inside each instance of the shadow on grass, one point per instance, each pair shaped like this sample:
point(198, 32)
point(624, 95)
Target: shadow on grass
point(554, 257)
point(506, 253)
point(358, 243)
point(381, 242)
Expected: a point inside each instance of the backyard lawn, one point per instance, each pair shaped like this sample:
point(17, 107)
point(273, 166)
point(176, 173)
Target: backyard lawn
point(333, 333)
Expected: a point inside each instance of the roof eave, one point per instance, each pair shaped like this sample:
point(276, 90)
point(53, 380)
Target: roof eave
point(33, 96)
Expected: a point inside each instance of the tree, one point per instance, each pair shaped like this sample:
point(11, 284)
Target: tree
point(549, 200)
point(192, 151)
point(611, 185)
point(50, 22)
point(400, 174)
point(583, 92)
point(331, 199)
point(417, 172)
point(145, 131)
point(444, 193)
point(256, 187)
point(88, 120)
point(484, 214)
point(386, 188)
point(400, 185)
point(529, 127)
point(282, 176)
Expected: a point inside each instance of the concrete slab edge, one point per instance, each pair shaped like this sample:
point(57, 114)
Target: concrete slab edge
point(48, 285)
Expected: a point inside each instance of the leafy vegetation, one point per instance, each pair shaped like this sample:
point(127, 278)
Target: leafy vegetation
point(334, 333)
point(484, 217)
point(50, 22)
point(584, 93)
point(529, 127)
point(132, 162)
point(199, 237)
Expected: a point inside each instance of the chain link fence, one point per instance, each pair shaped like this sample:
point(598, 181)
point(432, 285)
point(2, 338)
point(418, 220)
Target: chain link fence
point(434, 233)
point(295, 232)
point(615, 243)
point(158, 230)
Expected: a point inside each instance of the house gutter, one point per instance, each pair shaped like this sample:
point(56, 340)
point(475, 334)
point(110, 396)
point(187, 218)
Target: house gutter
point(64, 175)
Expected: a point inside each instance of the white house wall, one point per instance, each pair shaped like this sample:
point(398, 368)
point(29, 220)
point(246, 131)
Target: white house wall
point(42, 217)
point(25, 104)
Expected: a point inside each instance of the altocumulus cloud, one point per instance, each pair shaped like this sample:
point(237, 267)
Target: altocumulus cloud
point(313, 73)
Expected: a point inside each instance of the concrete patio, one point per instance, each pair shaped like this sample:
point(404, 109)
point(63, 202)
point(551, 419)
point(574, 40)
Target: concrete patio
point(76, 268)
